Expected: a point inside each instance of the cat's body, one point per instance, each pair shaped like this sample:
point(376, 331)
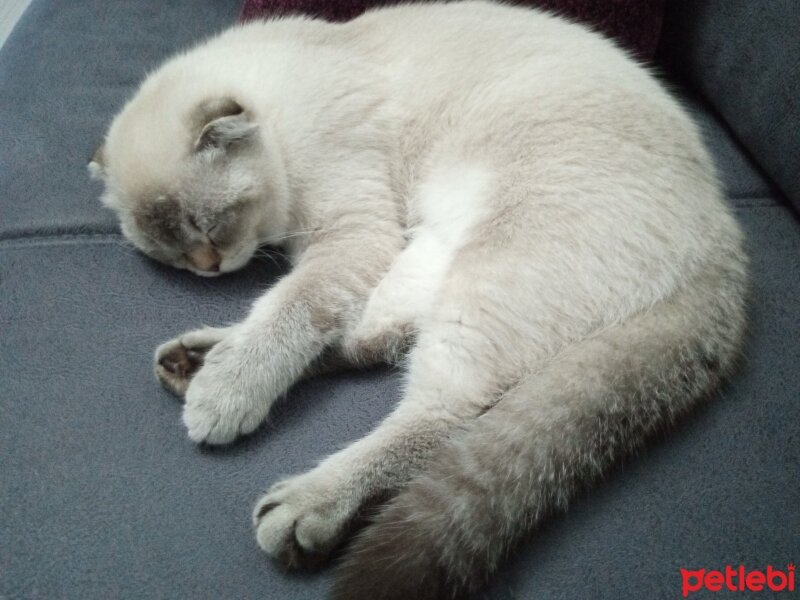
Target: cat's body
point(502, 195)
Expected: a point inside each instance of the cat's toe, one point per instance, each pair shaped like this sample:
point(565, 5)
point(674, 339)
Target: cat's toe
point(200, 424)
point(212, 425)
point(299, 526)
point(216, 409)
point(277, 536)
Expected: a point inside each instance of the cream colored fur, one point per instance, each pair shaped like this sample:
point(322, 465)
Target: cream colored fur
point(504, 195)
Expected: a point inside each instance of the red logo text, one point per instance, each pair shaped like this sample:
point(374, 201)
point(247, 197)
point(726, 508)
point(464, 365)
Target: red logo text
point(739, 579)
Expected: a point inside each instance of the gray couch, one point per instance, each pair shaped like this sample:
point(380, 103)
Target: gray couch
point(103, 496)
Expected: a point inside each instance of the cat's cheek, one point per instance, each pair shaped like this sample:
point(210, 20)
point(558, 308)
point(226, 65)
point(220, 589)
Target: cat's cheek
point(240, 259)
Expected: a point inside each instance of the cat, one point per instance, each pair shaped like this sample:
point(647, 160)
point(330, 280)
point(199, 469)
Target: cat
point(499, 200)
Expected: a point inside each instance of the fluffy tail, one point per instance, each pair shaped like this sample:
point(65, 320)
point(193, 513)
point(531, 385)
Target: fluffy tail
point(563, 426)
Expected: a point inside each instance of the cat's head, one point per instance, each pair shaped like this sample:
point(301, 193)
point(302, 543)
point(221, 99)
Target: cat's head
point(193, 182)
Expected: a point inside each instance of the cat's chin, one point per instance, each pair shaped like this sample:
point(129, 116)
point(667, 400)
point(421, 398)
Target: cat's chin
point(238, 260)
point(206, 273)
point(225, 267)
point(229, 264)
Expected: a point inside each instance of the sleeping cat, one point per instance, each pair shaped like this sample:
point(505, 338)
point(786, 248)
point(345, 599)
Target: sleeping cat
point(498, 199)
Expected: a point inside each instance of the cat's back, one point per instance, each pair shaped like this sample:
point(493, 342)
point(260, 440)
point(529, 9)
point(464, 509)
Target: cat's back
point(470, 56)
point(458, 75)
point(433, 46)
point(549, 89)
point(511, 68)
point(481, 42)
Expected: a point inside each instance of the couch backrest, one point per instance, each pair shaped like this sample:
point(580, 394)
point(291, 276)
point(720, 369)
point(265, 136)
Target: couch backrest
point(744, 56)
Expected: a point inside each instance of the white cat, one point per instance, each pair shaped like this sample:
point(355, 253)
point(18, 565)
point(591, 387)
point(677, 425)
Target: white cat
point(502, 197)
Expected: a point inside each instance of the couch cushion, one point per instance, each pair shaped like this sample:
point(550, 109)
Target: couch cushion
point(104, 496)
point(742, 178)
point(745, 58)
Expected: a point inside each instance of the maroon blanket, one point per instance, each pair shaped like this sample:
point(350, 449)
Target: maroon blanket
point(636, 24)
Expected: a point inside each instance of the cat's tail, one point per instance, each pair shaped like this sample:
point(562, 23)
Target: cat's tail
point(563, 426)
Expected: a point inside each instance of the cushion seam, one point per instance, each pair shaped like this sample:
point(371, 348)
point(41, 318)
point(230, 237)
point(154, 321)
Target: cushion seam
point(62, 238)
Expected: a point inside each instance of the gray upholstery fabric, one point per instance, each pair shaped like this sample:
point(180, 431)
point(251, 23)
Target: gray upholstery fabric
point(743, 180)
point(745, 58)
point(103, 496)
point(62, 70)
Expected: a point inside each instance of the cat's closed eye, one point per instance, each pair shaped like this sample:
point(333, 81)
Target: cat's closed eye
point(214, 234)
point(225, 228)
point(192, 221)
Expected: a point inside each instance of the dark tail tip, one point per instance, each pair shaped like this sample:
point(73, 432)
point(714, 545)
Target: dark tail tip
point(393, 559)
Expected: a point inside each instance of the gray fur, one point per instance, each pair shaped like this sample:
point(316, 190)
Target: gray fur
point(544, 440)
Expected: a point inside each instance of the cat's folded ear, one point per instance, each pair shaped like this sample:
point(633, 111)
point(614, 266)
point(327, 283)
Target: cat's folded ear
point(222, 124)
point(97, 164)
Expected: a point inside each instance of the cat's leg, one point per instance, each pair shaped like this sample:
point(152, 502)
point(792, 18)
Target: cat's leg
point(387, 327)
point(332, 360)
point(449, 202)
point(380, 336)
point(287, 330)
point(177, 360)
point(459, 364)
point(560, 428)
point(302, 518)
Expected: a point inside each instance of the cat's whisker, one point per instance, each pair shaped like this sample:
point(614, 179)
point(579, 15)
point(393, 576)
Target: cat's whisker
point(272, 259)
point(128, 248)
point(294, 234)
point(266, 253)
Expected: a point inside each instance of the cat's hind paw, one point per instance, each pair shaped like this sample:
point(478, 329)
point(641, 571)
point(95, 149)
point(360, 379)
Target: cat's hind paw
point(301, 520)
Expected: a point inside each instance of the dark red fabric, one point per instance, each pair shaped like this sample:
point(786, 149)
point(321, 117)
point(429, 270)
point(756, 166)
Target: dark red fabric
point(636, 24)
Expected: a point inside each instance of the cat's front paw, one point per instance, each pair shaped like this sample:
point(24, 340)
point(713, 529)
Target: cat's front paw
point(301, 519)
point(224, 399)
point(177, 360)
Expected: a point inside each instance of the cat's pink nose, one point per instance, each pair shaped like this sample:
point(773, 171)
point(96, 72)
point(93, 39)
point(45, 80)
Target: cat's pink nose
point(205, 258)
